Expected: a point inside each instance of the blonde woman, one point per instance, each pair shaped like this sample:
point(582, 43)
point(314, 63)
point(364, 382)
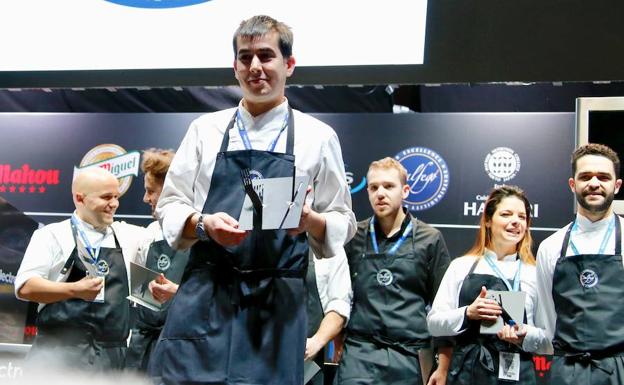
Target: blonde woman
point(501, 259)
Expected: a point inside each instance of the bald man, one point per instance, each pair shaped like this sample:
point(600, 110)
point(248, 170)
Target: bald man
point(77, 271)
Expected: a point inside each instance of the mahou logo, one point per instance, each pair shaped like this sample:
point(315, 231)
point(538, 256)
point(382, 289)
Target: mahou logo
point(124, 165)
point(26, 179)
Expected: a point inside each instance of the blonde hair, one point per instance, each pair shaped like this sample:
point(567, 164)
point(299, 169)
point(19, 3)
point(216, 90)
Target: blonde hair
point(156, 162)
point(484, 237)
point(388, 164)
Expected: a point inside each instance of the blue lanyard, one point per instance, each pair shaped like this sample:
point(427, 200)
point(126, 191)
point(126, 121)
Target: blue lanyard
point(242, 131)
point(395, 247)
point(516, 278)
point(605, 239)
point(94, 252)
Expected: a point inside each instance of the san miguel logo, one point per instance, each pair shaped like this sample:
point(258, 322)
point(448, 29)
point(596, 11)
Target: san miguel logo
point(124, 165)
point(427, 177)
point(157, 3)
point(26, 179)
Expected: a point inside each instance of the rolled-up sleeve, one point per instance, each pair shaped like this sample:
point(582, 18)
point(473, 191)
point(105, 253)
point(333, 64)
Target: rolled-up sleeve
point(334, 284)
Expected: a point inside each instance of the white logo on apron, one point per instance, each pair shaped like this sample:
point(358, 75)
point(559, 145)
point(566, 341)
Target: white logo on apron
point(588, 278)
point(163, 262)
point(384, 277)
point(102, 267)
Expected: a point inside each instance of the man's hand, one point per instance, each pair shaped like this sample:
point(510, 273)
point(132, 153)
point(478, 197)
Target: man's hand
point(162, 289)
point(310, 221)
point(313, 346)
point(438, 377)
point(483, 308)
point(513, 334)
point(223, 229)
point(87, 288)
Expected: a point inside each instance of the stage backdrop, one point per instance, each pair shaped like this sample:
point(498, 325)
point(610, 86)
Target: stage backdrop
point(453, 161)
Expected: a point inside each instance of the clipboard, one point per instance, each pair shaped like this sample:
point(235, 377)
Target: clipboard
point(512, 303)
point(140, 277)
point(282, 203)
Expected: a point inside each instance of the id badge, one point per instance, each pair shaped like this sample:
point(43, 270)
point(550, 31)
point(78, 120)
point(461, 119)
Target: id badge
point(100, 297)
point(509, 366)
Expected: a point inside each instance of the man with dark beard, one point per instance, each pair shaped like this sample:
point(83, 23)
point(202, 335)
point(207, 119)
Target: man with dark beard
point(580, 278)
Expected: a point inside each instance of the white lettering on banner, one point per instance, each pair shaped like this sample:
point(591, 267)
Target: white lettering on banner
point(7, 277)
point(120, 166)
point(475, 209)
point(421, 178)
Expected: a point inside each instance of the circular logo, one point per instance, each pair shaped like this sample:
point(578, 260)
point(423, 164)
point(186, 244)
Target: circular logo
point(157, 3)
point(102, 267)
point(163, 262)
point(502, 164)
point(255, 174)
point(588, 278)
point(384, 277)
point(115, 159)
point(427, 177)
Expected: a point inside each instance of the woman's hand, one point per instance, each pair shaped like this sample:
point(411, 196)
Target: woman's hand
point(513, 334)
point(483, 308)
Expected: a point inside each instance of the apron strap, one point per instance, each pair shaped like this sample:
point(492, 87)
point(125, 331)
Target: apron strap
point(618, 238)
point(290, 134)
point(474, 266)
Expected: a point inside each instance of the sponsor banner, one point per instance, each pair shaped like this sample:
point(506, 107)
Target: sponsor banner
point(111, 157)
point(453, 160)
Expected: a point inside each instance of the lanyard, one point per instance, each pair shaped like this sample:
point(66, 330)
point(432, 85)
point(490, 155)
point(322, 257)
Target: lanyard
point(94, 252)
point(605, 239)
point(516, 278)
point(395, 247)
point(242, 131)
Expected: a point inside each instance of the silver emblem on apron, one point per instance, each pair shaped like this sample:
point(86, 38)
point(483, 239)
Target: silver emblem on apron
point(164, 262)
point(103, 268)
point(588, 278)
point(384, 277)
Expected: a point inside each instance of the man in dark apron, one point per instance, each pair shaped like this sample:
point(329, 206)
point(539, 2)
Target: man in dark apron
point(239, 316)
point(396, 264)
point(77, 271)
point(160, 257)
point(580, 277)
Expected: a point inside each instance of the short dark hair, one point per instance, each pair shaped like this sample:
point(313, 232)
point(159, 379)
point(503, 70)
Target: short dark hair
point(596, 149)
point(260, 25)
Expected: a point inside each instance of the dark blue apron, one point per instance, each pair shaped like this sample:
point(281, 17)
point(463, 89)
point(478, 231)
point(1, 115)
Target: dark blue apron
point(589, 335)
point(388, 320)
point(475, 356)
point(239, 316)
point(163, 259)
point(86, 335)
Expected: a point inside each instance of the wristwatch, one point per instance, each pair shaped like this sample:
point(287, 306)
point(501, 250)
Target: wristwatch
point(200, 231)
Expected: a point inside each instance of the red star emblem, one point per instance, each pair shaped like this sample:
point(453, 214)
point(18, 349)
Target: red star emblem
point(22, 189)
point(12, 189)
point(2, 189)
point(31, 189)
point(42, 189)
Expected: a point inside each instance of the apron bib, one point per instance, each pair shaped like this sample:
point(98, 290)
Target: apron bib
point(239, 316)
point(163, 259)
point(589, 336)
point(475, 357)
point(87, 335)
point(388, 320)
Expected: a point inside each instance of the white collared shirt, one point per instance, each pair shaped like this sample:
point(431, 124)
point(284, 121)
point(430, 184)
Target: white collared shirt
point(317, 153)
point(51, 246)
point(447, 317)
